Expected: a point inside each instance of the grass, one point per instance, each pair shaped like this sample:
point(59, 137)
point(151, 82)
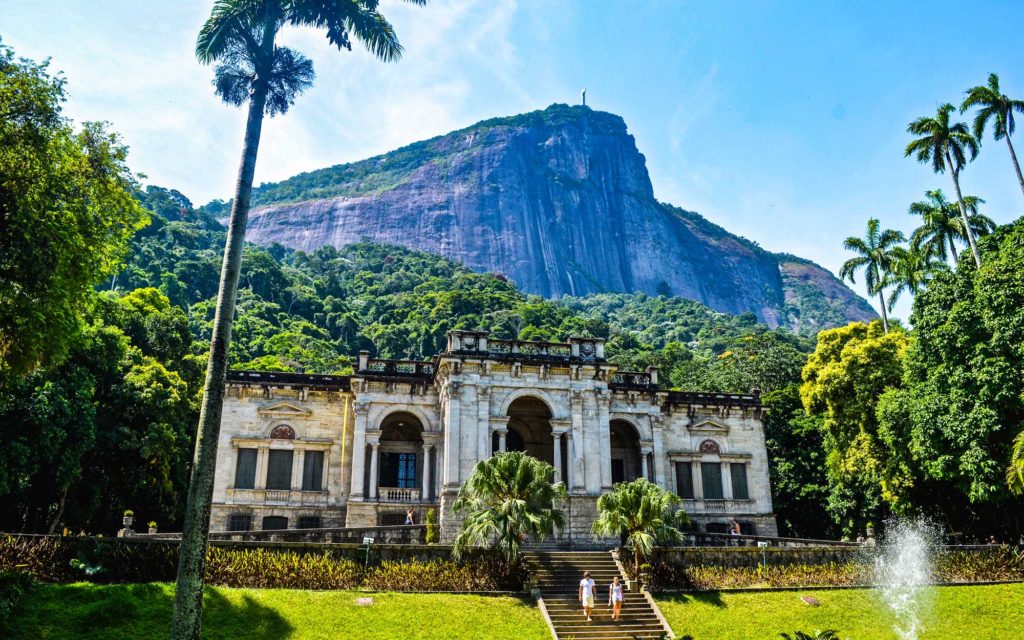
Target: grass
point(981, 612)
point(88, 611)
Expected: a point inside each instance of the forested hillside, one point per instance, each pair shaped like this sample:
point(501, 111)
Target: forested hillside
point(313, 312)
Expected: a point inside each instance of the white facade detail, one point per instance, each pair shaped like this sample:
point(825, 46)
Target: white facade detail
point(312, 451)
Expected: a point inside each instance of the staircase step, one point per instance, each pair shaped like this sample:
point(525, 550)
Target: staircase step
point(558, 575)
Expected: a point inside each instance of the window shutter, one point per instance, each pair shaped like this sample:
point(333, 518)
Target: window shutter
point(245, 470)
point(711, 476)
point(279, 469)
point(684, 480)
point(739, 481)
point(313, 471)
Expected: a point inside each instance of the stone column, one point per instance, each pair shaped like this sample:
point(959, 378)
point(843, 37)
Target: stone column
point(644, 453)
point(261, 467)
point(374, 446)
point(425, 495)
point(571, 480)
point(499, 425)
point(299, 458)
point(726, 481)
point(662, 475)
point(483, 407)
point(358, 475)
point(452, 433)
point(557, 436)
point(577, 445)
point(603, 402)
point(440, 462)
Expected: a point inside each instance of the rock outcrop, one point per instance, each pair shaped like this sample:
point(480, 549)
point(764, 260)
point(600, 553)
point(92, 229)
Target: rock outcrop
point(558, 201)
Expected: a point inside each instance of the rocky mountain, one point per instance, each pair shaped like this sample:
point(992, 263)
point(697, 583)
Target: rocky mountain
point(560, 202)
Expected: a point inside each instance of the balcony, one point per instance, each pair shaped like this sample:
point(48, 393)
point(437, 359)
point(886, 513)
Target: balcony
point(397, 494)
point(394, 368)
point(719, 507)
point(279, 497)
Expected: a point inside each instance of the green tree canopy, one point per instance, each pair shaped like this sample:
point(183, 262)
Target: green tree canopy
point(66, 215)
point(850, 368)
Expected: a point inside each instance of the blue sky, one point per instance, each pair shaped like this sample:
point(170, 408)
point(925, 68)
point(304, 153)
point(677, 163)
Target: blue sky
point(782, 121)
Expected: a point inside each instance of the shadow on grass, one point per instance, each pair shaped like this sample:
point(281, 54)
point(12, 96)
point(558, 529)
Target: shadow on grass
point(89, 611)
point(711, 598)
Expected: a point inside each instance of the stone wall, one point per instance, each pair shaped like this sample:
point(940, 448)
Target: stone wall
point(752, 556)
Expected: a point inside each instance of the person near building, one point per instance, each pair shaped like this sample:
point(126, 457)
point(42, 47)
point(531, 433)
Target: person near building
point(615, 598)
point(587, 594)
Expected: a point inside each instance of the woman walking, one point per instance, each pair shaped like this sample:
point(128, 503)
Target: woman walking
point(615, 598)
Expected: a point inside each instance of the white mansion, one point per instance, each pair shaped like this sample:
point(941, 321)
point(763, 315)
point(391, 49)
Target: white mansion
point(312, 451)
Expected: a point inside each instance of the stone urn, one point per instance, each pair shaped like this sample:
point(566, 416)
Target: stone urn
point(152, 528)
point(127, 521)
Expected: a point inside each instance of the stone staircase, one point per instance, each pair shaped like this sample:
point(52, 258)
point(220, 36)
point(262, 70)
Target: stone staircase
point(559, 574)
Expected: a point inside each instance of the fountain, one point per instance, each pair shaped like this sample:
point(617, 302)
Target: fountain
point(903, 571)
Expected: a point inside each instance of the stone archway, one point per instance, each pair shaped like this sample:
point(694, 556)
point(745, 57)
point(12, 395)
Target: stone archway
point(625, 451)
point(401, 458)
point(529, 428)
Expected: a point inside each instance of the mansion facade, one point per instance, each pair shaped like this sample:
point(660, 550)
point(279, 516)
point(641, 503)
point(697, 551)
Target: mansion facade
point(314, 451)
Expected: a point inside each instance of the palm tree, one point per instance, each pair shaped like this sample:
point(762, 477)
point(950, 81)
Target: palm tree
point(1015, 472)
point(946, 146)
point(641, 512)
point(912, 269)
point(942, 227)
point(239, 37)
point(876, 257)
point(508, 499)
point(994, 105)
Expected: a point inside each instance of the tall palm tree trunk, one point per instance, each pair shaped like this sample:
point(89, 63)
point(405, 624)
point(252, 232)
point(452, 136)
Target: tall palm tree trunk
point(963, 210)
point(188, 599)
point(952, 252)
point(885, 317)
point(1016, 165)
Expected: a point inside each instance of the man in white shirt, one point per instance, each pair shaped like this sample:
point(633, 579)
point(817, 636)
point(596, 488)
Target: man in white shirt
point(587, 594)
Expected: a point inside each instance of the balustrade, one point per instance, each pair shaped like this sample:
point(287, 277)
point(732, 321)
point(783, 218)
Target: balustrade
point(397, 494)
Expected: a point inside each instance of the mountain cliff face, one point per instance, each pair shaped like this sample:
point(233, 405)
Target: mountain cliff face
point(560, 202)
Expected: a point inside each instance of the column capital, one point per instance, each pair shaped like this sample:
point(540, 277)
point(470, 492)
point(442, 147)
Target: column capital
point(498, 422)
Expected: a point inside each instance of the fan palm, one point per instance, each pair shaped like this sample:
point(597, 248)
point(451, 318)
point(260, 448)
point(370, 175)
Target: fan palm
point(912, 269)
point(941, 226)
point(947, 146)
point(876, 257)
point(508, 498)
point(1015, 472)
point(641, 512)
point(995, 106)
point(239, 37)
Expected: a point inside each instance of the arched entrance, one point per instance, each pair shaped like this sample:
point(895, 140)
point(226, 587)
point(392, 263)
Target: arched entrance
point(529, 428)
point(400, 458)
point(625, 452)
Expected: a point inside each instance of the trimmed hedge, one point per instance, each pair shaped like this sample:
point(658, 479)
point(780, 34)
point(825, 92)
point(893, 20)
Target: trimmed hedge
point(986, 564)
point(73, 559)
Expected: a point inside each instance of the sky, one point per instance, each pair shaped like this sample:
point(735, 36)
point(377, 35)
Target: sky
point(784, 122)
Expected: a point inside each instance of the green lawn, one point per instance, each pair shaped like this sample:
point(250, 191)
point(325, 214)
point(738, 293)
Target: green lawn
point(87, 611)
point(992, 612)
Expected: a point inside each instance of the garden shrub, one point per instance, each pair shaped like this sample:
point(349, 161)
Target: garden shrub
point(432, 527)
point(13, 586)
point(264, 568)
point(71, 559)
point(953, 566)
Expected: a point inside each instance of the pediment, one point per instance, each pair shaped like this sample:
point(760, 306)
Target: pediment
point(709, 427)
point(286, 409)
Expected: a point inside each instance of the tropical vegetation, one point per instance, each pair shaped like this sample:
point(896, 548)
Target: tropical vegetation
point(240, 37)
point(642, 515)
point(508, 499)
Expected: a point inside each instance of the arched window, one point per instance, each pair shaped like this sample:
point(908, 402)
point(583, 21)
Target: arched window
point(709, 446)
point(282, 432)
